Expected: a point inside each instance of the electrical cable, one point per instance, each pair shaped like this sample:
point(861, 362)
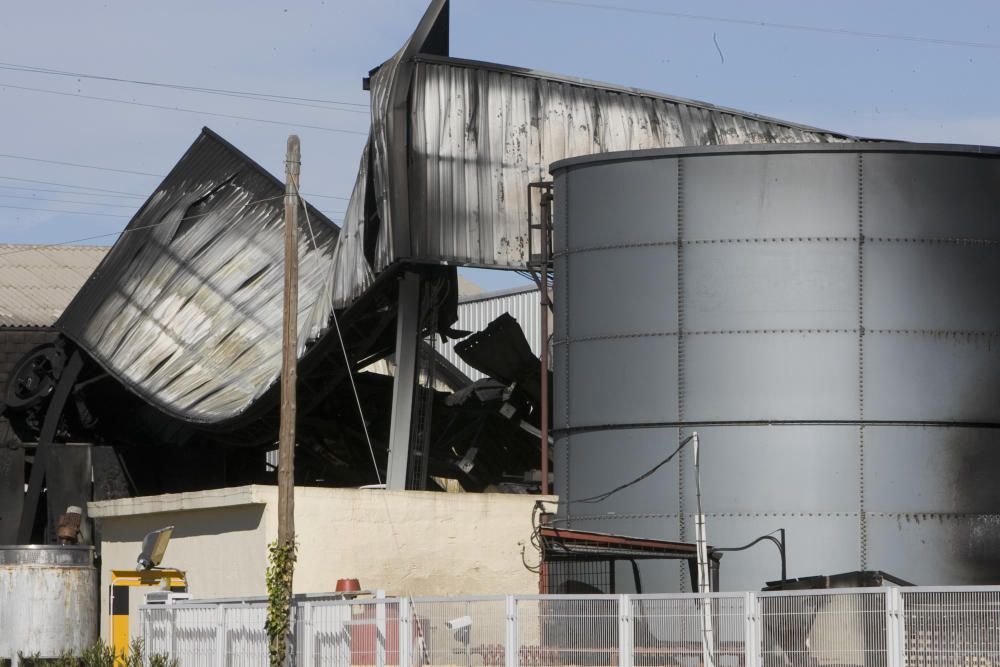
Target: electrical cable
point(32, 69)
point(77, 164)
point(63, 192)
point(56, 210)
point(604, 496)
point(68, 185)
point(112, 169)
point(4, 195)
point(779, 26)
point(183, 110)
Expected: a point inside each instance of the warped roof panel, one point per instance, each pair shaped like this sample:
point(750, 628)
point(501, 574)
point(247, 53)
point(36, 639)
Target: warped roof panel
point(186, 307)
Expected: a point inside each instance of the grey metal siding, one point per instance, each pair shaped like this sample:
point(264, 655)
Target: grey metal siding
point(826, 318)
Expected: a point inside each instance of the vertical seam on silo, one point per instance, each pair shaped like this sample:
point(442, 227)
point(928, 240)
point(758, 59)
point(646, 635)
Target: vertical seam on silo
point(565, 310)
point(862, 517)
point(681, 522)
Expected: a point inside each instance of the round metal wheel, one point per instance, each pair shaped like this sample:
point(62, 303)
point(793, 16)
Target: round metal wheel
point(35, 376)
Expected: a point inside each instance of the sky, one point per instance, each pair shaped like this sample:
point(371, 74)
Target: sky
point(922, 71)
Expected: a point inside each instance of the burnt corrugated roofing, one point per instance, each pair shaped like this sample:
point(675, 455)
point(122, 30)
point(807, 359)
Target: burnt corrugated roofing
point(455, 143)
point(38, 281)
point(186, 307)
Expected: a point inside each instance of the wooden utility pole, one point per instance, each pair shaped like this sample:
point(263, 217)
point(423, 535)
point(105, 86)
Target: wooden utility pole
point(289, 349)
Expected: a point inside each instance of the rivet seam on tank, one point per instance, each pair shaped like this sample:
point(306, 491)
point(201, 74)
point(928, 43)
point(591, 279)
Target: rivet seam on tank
point(566, 383)
point(681, 459)
point(862, 521)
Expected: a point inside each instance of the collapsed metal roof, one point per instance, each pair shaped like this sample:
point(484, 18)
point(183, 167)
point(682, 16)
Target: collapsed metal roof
point(186, 307)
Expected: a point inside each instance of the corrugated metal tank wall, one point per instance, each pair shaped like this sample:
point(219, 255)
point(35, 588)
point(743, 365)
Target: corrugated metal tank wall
point(827, 318)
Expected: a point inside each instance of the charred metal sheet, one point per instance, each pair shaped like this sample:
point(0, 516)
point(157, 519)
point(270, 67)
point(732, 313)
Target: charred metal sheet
point(186, 307)
point(455, 143)
point(502, 352)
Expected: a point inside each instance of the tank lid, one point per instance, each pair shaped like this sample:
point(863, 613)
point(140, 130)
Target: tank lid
point(776, 149)
point(45, 554)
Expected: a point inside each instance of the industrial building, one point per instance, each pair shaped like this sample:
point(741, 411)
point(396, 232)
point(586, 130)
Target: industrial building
point(812, 311)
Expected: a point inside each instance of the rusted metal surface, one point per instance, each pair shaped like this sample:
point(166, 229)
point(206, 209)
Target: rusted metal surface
point(48, 600)
point(186, 307)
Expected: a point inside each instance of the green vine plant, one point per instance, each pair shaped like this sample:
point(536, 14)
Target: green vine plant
point(280, 569)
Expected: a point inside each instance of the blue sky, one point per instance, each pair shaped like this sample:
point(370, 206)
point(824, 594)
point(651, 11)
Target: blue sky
point(892, 88)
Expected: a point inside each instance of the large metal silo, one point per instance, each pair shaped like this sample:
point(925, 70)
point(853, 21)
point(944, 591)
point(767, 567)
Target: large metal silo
point(826, 317)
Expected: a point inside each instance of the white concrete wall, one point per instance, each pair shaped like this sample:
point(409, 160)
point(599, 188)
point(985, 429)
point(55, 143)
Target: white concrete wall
point(405, 542)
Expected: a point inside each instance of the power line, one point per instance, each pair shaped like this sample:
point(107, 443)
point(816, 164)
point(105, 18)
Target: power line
point(779, 26)
point(68, 185)
point(306, 194)
point(77, 164)
point(66, 201)
point(183, 110)
point(270, 97)
point(56, 210)
point(116, 193)
point(65, 192)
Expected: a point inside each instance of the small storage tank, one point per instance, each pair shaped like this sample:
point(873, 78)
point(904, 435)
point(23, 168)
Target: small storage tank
point(827, 317)
point(48, 600)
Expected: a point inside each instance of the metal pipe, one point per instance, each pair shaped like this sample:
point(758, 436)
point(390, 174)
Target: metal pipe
point(544, 303)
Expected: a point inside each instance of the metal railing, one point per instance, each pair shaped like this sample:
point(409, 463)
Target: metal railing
point(869, 627)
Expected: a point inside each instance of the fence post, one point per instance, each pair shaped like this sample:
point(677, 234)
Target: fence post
point(895, 645)
point(405, 632)
point(305, 632)
point(625, 638)
point(751, 631)
point(220, 636)
point(512, 652)
point(380, 628)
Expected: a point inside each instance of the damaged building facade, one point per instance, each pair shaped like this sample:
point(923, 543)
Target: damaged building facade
point(171, 351)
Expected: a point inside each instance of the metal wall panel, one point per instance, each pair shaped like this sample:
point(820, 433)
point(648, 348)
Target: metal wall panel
point(922, 469)
point(644, 212)
point(771, 376)
point(608, 278)
point(795, 285)
point(961, 205)
point(617, 383)
point(934, 546)
point(770, 197)
point(840, 364)
point(932, 287)
point(932, 376)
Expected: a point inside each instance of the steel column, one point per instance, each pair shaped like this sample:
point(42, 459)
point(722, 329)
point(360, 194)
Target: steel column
point(404, 383)
point(45, 438)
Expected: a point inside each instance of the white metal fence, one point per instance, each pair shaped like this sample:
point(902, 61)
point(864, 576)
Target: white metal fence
point(873, 627)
